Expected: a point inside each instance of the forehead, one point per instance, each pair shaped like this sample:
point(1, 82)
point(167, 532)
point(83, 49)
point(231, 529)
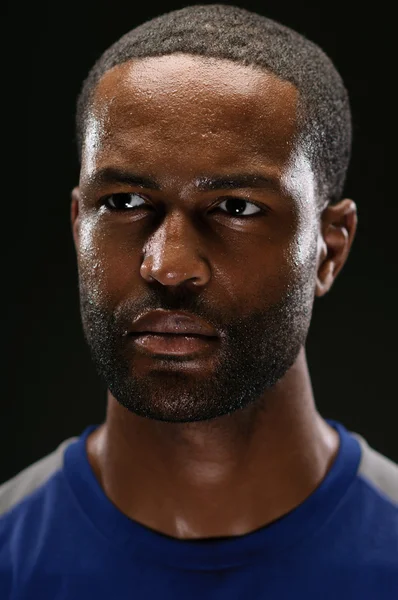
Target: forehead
point(191, 109)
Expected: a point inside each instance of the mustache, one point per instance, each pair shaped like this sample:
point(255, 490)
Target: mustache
point(120, 317)
point(164, 299)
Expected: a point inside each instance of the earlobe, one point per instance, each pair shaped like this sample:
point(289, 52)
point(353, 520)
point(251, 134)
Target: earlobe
point(338, 227)
point(75, 221)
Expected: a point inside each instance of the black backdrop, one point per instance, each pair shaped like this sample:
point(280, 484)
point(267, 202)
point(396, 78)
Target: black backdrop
point(51, 390)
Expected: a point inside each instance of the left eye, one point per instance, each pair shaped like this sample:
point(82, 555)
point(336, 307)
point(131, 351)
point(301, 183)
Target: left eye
point(237, 207)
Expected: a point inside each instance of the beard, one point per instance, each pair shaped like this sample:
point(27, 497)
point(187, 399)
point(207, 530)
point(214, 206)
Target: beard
point(255, 352)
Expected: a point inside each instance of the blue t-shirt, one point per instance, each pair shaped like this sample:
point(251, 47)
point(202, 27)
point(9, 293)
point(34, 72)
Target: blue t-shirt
point(65, 540)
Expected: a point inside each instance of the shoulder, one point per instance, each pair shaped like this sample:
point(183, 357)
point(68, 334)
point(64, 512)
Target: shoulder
point(378, 471)
point(15, 490)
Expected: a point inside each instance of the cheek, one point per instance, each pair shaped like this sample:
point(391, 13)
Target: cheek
point(300, 252)
point(300, 256)
point(259, 275)
point(105, 263)
point(281, 265)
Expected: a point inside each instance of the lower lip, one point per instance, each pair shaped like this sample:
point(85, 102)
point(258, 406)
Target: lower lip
point(176, 345)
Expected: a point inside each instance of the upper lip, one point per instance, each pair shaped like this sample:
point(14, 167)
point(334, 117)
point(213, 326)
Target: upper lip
point(163, 321)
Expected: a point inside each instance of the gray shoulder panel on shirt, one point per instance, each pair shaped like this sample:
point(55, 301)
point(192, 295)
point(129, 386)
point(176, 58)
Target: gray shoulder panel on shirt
point(378, 470)
point(27, 481)
point(374, 467)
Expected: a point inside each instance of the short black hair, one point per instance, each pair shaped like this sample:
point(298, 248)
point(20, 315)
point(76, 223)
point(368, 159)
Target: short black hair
point(229, 32)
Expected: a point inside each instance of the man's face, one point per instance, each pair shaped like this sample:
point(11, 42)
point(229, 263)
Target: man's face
point(243, 259)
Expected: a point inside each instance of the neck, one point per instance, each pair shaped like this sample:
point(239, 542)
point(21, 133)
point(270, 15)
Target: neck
point(228, 476)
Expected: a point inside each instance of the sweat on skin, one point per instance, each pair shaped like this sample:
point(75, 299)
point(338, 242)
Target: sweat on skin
point(231, 441)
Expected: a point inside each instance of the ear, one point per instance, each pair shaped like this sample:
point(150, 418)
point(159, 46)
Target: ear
point(74, 216)
point(338, 227)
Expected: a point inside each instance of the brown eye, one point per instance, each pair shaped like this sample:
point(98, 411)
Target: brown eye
point(237, 207)
point(124, 201)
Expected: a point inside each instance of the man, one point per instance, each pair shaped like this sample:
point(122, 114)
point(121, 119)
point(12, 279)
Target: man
point(208, 217)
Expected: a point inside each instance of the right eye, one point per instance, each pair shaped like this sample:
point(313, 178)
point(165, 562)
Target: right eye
point(124, 201)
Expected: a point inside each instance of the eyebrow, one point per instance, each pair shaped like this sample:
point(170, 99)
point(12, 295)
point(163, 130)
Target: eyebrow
point(111, 175)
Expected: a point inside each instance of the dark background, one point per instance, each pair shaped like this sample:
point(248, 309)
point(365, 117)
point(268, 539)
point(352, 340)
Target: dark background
point(51, 390)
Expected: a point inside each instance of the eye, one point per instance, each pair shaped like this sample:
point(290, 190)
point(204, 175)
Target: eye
point(237, 207)
point(125, 201)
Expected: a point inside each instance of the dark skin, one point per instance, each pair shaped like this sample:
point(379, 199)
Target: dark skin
point(176, 118)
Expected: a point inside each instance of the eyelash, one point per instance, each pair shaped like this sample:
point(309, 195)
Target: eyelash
point(262, 209)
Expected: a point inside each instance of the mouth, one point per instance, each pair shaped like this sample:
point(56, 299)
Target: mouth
point(174, 335)
point(181, 344)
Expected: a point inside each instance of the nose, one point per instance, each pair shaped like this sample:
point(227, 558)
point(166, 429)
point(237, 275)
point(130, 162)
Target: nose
point(172, 255)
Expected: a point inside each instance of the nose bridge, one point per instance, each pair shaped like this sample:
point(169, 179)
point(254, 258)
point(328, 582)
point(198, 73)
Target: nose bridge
point(172, 255)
